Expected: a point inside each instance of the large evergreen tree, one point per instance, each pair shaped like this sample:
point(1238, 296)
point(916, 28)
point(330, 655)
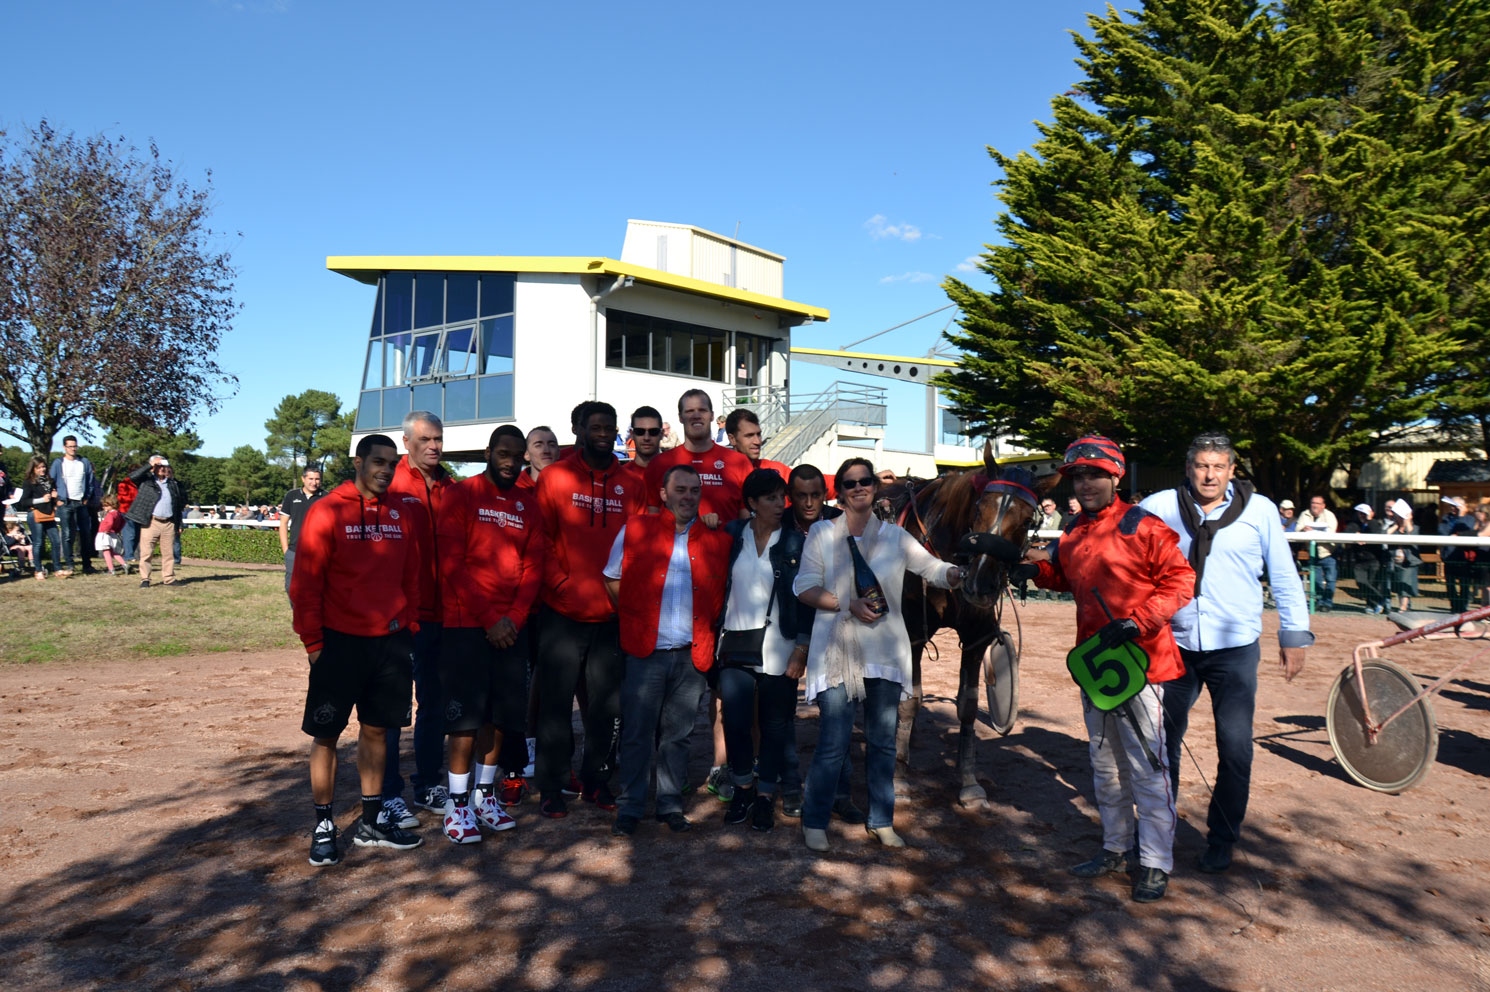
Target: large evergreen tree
point(1267, 218)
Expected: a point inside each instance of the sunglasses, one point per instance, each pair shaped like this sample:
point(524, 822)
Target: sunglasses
point(647, 431)
point(864, 482)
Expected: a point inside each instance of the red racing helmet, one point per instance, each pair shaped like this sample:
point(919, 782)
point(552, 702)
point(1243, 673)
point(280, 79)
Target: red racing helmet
point(1098, 452)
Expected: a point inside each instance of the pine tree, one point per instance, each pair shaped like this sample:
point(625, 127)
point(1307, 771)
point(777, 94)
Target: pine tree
point(1260, 218)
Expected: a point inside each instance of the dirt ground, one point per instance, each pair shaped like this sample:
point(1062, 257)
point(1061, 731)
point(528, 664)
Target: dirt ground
point(159, 820)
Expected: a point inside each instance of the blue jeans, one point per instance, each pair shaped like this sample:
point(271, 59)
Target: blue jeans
point(1230, 676)
point(75, 523)
point(1325, 577)
point(39, 532)
point(659, 703)
point(429, 719)
point(746, 696)
point(835, 728)
point(131, 538)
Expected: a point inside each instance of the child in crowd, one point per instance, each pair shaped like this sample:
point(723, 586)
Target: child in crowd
point(108, 539)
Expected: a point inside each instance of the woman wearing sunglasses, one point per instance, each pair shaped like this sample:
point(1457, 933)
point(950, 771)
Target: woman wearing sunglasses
point(860, 649)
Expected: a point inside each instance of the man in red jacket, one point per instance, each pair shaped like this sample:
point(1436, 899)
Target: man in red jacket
point(490, 564)
point(419, 476)
point(666, 574)
point(745, 436)
point(355, 593)
point(1120, 558)
point(584, 499)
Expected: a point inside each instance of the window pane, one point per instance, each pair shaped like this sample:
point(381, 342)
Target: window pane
point(396, 359)
point(659, 350)
point(460, 351)
point(395, 406)
point(422, 358)
point(496, 293)
point(427, 397)
point(614, 343)
point(398, 302)
point(460, 400)
point(638, 348)
point(496, 397)
point(370, 411)
point(460, 296)
point(429, 299)
point(714, 346)
point(377, 321)
point(682, 353)
point(496, 346)
point(372, 372)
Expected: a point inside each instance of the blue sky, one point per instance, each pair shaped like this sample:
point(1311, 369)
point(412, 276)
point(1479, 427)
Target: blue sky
point(848, 137)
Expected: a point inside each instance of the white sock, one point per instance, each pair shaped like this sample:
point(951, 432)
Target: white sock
point(460, 784)
point(485, 776)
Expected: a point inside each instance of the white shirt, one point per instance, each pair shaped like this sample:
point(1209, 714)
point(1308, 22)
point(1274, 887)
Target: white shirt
point(675, 623)
point(72, 478)
point(751, 582)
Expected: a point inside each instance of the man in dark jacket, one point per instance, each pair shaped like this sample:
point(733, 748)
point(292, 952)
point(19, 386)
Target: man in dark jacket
point(157, 510)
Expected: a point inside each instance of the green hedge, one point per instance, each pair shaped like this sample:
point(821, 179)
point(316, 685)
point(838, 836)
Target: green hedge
point(257, 547)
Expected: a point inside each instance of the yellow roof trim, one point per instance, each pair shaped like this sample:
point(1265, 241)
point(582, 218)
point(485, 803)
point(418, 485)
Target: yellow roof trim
point(945, 363)
point(367, 269)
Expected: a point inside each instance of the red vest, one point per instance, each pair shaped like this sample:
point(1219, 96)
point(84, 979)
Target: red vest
point(644, 558)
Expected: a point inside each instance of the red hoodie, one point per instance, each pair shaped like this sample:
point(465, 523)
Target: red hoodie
point(491, 553)
point(721, 472)
point(357, 565)
point(583, 510)
point(409, 481)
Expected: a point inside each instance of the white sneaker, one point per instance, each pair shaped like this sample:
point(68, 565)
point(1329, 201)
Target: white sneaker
point(460, 824)
point(490, 811)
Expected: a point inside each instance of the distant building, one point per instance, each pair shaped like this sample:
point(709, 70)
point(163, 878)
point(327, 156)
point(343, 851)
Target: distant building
point(485, 340)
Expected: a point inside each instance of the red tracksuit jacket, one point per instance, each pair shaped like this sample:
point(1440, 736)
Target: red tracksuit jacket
point(583, 510)
point(491, 553)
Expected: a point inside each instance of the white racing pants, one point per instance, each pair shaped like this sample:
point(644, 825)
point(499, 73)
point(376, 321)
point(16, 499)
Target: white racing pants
point(1125, 780)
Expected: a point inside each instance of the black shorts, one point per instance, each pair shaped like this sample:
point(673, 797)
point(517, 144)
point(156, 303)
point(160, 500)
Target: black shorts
point(484, 685)
point(375, 674)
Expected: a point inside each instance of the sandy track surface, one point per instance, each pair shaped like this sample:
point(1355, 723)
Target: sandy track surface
point(159, 818)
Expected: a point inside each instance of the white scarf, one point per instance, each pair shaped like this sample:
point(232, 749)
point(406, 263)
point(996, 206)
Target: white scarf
point(843, 657)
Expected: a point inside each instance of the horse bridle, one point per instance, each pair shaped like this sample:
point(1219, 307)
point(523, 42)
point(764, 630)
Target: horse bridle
point(1009, 491)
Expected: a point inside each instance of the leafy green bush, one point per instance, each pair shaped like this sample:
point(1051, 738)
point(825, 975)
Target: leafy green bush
point(256, 547)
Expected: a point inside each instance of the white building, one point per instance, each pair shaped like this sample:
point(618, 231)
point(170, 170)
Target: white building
point(485, 340)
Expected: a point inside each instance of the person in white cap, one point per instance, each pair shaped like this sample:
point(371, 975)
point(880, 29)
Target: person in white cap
point(1405, 557)
point(1371, 561)
point(1319, 518)
point(157, 509)
point(1454, 521)
point(1286, 517)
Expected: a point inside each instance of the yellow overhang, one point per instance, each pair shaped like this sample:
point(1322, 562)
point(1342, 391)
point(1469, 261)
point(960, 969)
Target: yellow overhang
point(866, 356)
point(367, 269)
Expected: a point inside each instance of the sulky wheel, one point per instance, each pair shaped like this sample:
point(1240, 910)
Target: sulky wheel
point(1001, 683)
point(1404, 749)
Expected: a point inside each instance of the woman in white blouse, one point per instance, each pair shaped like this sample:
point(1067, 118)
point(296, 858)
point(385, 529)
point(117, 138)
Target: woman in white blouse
point(856, 653)
point(760, 683)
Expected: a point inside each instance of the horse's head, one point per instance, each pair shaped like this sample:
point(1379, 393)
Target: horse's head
point(1008, 511)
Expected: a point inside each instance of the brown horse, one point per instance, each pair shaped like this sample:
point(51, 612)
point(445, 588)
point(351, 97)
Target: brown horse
point(939, 513)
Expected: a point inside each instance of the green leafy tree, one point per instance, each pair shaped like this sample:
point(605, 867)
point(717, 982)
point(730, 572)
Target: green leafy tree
point(297, 431)
point(336, 447)
point(1263, 218)
point(126, 448)
point(114, 292)
point(247, 477)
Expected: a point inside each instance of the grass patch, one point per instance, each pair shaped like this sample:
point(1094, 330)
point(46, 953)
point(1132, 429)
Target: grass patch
point(101, 618)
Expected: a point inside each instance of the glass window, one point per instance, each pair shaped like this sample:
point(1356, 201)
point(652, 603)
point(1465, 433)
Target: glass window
point(395, 406)
point(659, 349)
point(372, 372)
point(427, 396)
point(497, 293)
point(714, 345)
point(638, 348)
point(422, 362)
point(614, 344)
point(370, 411)
point(398, 302)
point(396, 359)
point(682, 353)
point(496, 346)
point(460, 400)
point(429, 299)
point(377, 321)
point(460, 351)
point(460, 296)
point(496, 397)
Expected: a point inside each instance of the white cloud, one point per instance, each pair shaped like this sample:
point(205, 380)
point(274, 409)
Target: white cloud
point(969, 264)
point(908, 277)
point(879, 227)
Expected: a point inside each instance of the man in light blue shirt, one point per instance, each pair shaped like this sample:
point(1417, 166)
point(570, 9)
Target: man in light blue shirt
point(1232, 537)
